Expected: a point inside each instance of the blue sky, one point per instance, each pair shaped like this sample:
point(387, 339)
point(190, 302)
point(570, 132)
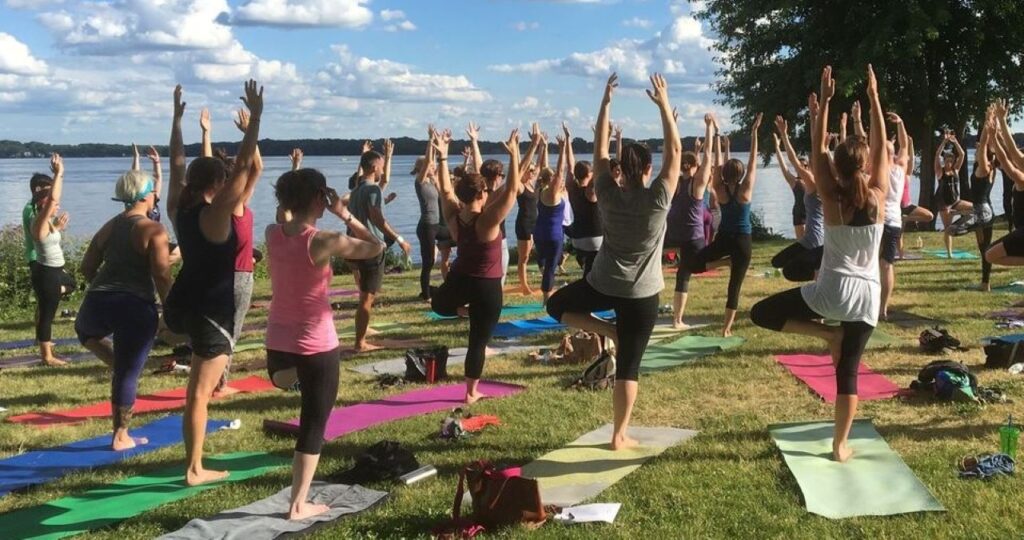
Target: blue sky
point(103, 70)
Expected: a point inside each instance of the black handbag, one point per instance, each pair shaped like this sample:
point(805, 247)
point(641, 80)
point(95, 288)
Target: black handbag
point(426, 365)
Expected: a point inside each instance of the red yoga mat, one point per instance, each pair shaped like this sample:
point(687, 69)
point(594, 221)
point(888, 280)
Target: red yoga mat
point(160, 401)
point(344, 420)
point(817, 372)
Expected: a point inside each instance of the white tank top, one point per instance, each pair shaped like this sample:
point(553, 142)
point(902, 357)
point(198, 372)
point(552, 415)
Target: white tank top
point(893, 210)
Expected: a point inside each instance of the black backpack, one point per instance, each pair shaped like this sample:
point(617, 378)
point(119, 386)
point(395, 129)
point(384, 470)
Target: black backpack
point(385, 460)
point(926, 377)
point(1000, 354)
point(421, 363)
point(936, 340)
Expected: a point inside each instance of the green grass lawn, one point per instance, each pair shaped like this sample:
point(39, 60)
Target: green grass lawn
point(728, 482)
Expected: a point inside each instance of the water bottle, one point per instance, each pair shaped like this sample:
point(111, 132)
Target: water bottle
point(1009, 437)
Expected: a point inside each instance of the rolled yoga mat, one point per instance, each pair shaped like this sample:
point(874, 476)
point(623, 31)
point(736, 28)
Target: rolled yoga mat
point(456, 357)
point(106, 505)
point(588, 465)
point(344, 420)
point(941, 254)
point(670, 354)
point(267, 519)
point(42, 466)
point(159, 401)
point(874, 482)
point(818, 373)
point(514, 329)
point(514, 310)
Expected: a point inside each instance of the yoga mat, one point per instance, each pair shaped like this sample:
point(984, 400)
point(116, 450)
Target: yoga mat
point(911, 257)
point(515, 310)
point(160, 401)
point(26, 343)
point(663, 331)
point(1016, 287)
point(881, 340)
point(384, 343)
point(106, 505)
point(906, 319)
point(684, 350)
point(41, 466)
point(514, 329)
point(343, 292)
point(1009, 338)
point(941, 254)
point(267, 519)
point(817, 372)
point(344, 420)
point(874, 482)
point(30, 360)
point(348, 332)
point(588, 465)
point(456, 357)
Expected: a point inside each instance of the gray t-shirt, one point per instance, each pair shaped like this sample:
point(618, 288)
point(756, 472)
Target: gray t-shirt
point(366, 196)
point(628, 265)
point(426, 193)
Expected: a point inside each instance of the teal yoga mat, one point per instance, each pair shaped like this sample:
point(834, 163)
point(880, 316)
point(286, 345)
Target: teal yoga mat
point(874, 482)
point(514, 310)
point(957, 254)
point(683, 350)
point(105, 505)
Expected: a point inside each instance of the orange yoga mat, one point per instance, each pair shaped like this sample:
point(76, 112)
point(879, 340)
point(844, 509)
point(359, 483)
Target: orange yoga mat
point(159, 401)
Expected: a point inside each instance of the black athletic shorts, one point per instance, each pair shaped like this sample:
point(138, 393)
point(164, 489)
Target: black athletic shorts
point(890, 243)
point(1013, 243)
point(371, 273)
point(908, 209)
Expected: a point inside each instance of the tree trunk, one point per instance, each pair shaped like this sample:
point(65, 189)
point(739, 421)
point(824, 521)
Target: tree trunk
point(925, 142)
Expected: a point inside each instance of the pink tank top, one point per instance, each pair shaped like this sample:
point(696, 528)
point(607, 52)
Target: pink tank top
point(301, 320)
point(905, 201)
point(243, 231)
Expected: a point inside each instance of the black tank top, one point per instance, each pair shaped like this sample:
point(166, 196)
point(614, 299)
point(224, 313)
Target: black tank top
point(1018, 208)
point(527, 214)
point(981, 189)
point(586, 219)
point(205, 284)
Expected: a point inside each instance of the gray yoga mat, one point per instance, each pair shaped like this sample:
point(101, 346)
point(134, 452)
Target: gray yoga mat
point(456, 357)
point(267, 519)
point(588, 465)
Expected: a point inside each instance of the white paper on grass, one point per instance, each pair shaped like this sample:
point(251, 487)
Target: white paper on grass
point(590, 513)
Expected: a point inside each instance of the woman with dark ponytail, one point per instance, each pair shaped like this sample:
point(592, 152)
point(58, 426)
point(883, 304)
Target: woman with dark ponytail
point(848, 288)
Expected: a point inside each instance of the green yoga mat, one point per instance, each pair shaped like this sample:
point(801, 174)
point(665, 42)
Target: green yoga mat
point(103, 506)
point(874, 482)
point(957, 254)
point(588, 465)
point(881, 340)
point(512, 310)
point(683, 350)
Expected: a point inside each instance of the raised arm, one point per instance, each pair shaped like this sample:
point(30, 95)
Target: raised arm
point(959, 150)
point(296, 157)
point(558, 181)
point(255, 170)
point(911, 157)
point(1001, 111)
point(389, 152)
point(428, 155)
point(842, 127)
point(938, 152)
point(748, 184)
point(601, 157)
point(820, 163)
point(879, 159)
point(537, 140)
point(704, 172)
point(493, 214)
point(1009, 168)
point(858, 125)
point(672, 155)
point(135, 158)
point(177, 151)
point(543, 160)
point(618, 141)
point(981, 154)
point(158, 175)
point(726, 154)
point(790, 179)
point(205, 128)
point(449, 202)
point(215, 220)
point(901, 139)
point(473, 131)
point(570, 158)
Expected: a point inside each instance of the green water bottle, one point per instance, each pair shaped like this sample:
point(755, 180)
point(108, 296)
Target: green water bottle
point(1009, 437)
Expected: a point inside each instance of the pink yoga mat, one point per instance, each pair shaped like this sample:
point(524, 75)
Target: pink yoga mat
point(344, 420)
point(817, 372)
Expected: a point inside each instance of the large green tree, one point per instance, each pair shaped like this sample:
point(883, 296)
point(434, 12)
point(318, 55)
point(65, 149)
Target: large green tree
point(939, 62)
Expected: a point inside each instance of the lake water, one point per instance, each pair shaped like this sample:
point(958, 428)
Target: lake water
point(89, 185)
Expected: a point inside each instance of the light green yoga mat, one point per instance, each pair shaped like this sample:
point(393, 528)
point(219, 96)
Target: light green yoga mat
point(881, 340)
point(874, 482)
point(588, 466)
point(683, 350)
point(103, 506)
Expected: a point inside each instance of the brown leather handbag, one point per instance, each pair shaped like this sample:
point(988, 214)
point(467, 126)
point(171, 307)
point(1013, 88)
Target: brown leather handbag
point(500, 497)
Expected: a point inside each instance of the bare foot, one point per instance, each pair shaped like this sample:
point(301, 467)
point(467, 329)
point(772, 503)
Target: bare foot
point(623, 442)
point(225, 392)
point(525, 290)
point(842, 454)
point(727, 332)
point(680, 325)
point(366, 347)
point(473, 398)
point(302, 511)
point(203, 476)
point(127, 443)
point(985, 287)
point(371, 331)
point(54, 361)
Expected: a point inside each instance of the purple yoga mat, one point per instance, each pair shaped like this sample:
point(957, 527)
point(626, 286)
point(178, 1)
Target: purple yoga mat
point(344, 420)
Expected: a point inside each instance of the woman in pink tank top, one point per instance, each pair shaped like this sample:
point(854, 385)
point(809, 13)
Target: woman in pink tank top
point(302, 344)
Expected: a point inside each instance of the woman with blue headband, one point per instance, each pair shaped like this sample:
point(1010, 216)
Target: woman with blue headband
point(127, 265)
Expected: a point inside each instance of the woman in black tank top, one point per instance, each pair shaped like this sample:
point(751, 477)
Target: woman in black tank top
point(948, 194)
point(1008, 250)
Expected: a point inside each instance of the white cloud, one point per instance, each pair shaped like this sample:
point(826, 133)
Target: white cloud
point(529, 102)
point(334, 13)
point(392, 14)
point(637, 22)
point(404, 26)
point(361, 77)
point(31, 4)
point(17, 59)
point(523, 26)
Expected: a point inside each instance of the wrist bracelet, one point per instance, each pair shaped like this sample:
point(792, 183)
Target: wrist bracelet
point(399, 239)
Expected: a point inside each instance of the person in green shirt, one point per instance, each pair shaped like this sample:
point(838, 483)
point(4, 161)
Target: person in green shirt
point(28, 215)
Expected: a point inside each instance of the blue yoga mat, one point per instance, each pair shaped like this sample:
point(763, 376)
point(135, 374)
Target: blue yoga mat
point(1009, 338)
point(514, 310)
point(513, 329)
point(26, 343)
point(41, 466)
point(957, 254)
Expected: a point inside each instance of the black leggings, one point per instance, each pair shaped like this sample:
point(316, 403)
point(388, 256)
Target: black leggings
point(427, 236)
point(634, 321)
point(549, 257)
point(688, 250)
point(726, 244)
point(484, 297)
point(797, 262)
point(585, 260)
point(984, 237)
point(1008, 201)
point(46, 283)
point(773, 312)
point(318, 381)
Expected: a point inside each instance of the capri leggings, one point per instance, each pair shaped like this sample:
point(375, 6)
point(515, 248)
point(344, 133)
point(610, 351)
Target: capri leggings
point(549, 256)
point(688, 250)
point(317, 375)
point(484, 297)
point(427, 236)
point(634, 321)
point(737, 247)
point(797, 262)
point(132, 322)
point(46, 283)
point(773, 312)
